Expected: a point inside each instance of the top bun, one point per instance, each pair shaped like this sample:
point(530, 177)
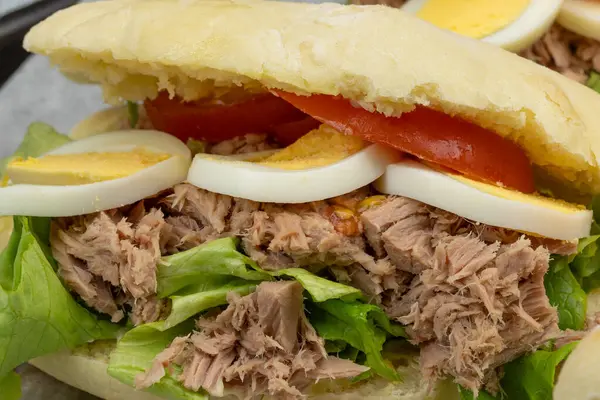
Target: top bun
point(379, 57)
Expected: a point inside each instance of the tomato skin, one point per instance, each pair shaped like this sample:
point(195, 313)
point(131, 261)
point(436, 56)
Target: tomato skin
point(286, 134)
point(430, 135)
point(217, 122)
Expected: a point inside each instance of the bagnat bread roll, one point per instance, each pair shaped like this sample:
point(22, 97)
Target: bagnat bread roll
point(377, 56)
point(89, 374)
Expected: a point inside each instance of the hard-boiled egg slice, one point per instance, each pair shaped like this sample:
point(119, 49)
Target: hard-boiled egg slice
point(322, 164)
point(109, 120)
point(249, 180)
point(511, 24)
point(582, 17)
point(104, 171)
point(485, 203)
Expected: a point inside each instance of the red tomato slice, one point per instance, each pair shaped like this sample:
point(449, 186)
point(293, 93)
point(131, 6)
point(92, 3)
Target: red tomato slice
point(287, 134)
point(217, 122)
point(430, 135)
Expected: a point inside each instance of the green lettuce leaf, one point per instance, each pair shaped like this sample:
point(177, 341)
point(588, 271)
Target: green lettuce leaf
point(466, 394)
point(136, 350)
point(217, 258)
point(335, 346)
point(594, 81)
point(320, 289)
point(37, 314)
point(10, 386)
point(201, 297)
point(39, 139)
point(196, 146)
point(221, 258)
point(569, 279)
point(565, 293)
point(532, 377)
point(200, 279)
point(363, 326)
point(133, 113)
point(586, 264)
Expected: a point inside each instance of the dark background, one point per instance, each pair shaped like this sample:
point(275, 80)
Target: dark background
point(13, 27)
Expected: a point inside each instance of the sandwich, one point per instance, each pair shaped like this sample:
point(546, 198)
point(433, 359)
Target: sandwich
point(284, 203)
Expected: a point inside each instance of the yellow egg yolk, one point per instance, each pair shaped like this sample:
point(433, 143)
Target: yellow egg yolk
point(535, 199)
point(318, 148)
point(473, 18)
point(81, 168)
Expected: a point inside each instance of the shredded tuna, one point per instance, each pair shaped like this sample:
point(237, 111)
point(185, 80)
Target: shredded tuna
point(570, 54)
point(280, 238)
point(249, 143)
point(261, 344)
point(471, 295)
point(506, 236)
point(102, 254)
point(569, 335)
point(276, 236)
point(472, 304)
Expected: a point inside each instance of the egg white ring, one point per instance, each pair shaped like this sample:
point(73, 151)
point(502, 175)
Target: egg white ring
point(127, 140)
point(289, 186)
point(520, 33)
point(582, 17)
point(416, 181)
point(54, 201)
point(107, 120)
point(24, 199)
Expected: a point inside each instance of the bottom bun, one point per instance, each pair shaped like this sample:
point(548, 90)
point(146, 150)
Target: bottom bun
point(89, 374)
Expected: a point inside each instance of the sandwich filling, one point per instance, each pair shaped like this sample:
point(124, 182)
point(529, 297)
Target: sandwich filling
point(472, 297)
point(278, 219)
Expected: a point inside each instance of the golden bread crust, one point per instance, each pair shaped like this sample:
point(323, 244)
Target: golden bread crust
point(377, 56)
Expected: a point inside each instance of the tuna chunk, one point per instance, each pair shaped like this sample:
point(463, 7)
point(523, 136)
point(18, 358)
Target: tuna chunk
point(570, 54)
point(102, 254)
point(209, 209)
point(472, 304)
point(282, 238)
point(275, 236)
point(261, 344)
point(249, 143)
point(92, 289)
point(471, 295)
